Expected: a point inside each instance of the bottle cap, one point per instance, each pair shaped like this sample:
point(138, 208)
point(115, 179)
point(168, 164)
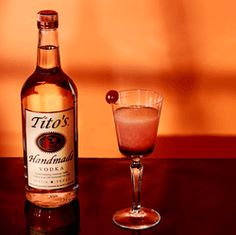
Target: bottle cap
point(47, 19)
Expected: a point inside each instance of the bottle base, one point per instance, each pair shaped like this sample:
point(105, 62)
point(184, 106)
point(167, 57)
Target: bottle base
point(51, 199)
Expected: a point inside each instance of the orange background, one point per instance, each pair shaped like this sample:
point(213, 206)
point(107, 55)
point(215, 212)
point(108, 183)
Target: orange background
point(184, 49)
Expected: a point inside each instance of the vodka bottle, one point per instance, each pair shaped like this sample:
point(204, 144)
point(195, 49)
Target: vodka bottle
point(49, 121)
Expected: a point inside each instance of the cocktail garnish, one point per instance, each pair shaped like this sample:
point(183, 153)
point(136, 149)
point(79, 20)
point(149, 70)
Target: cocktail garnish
point(112, 96)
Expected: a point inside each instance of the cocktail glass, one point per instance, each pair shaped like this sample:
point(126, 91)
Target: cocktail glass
point(136, 115)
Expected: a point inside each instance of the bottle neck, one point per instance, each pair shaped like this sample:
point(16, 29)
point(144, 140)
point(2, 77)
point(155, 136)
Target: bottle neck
point(48, 49)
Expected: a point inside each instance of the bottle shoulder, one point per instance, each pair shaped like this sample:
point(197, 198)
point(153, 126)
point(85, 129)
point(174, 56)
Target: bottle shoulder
point(48, 77)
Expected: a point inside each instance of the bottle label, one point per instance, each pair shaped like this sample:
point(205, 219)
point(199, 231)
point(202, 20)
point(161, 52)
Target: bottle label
point(50, 149)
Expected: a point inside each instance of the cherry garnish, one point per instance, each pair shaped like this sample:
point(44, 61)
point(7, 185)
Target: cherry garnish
point(112, 96)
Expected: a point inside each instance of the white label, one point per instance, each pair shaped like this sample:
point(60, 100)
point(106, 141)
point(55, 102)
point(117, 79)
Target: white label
point(50, 149)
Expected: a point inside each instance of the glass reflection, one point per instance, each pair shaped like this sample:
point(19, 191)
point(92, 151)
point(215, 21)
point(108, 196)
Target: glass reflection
point(52, 221)
point(136, 232)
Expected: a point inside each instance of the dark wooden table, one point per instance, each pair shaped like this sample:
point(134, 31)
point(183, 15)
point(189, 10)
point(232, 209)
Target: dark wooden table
point(193, 196)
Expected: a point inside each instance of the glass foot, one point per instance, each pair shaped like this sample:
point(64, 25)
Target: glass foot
point(143, 219)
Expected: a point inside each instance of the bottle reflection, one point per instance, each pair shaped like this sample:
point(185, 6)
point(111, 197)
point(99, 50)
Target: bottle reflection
point(52, 221)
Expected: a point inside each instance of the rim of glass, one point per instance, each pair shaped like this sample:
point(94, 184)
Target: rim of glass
point(123, 93)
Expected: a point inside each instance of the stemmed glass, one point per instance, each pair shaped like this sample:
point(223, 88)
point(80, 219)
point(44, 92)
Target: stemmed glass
point(136, 115)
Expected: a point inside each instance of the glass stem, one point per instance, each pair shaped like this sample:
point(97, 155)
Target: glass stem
point(136, 169)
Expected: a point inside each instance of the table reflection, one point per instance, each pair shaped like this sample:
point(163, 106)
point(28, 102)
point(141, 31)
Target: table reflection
point(194, 196)
point(52, 221)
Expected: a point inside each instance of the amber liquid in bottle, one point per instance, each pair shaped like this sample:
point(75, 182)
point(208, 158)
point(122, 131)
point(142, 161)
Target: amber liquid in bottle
point(49, 121)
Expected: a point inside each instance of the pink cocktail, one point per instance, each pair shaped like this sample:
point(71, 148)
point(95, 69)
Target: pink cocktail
point(136, 129)
point(136, 114)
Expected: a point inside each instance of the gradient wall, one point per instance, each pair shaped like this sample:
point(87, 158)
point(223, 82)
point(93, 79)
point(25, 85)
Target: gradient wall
point(184, 49)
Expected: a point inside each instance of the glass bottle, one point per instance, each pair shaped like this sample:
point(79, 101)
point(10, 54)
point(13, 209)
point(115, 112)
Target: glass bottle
point(49, 123)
